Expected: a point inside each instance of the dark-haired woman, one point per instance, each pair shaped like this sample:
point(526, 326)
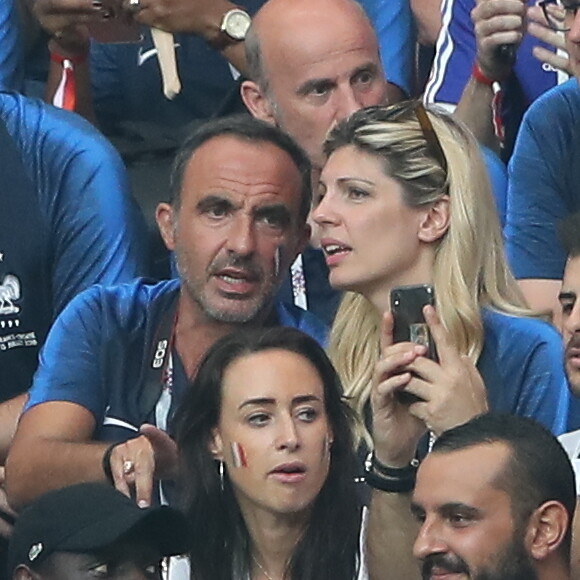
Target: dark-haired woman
point(267, 463)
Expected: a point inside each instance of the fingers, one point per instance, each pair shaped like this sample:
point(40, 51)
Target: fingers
point(547, 35)
point(144, 470)
point(386, 389)
point(497, 22)
point(133, 467)
point(120, 470)
point(556, 61)
point(395, 358)
point(386, 331)
point(446, 350)
point(391, 374)
point(164, 451)
point(536, 14)
point(72, 7)
point(489, 9)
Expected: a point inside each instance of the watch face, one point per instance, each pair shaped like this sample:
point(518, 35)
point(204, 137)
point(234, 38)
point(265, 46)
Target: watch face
point(236, 24)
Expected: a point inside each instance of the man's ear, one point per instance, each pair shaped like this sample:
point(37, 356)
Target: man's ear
point(546, 530)
point(257, 102)
point(216, 445)
point(165, 216)
point(435, 221)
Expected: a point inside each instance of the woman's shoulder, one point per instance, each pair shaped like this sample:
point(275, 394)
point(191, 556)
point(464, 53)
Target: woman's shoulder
point(522, 329)
point(516, 343)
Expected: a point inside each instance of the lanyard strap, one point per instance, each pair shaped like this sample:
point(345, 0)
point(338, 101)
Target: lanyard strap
point(160, 362)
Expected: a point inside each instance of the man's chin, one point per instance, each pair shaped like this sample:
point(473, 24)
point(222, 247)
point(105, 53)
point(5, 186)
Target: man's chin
point(235, 310)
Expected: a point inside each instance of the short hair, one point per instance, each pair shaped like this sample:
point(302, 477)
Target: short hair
point(249, 130)
point(254, 59)
point(538, 469)
point(569, 234)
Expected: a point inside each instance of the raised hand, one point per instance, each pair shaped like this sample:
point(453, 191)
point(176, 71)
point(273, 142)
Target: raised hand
point(451, 390)
point(66, 21)
point(396, 431)
point(538, 27)
point(496, 23)
point(137, 463)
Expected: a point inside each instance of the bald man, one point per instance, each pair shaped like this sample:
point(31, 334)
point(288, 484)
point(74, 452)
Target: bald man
point(312, 64)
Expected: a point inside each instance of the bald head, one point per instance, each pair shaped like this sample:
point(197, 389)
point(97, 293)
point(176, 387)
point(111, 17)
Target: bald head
point(311, 63)
point(280, 27)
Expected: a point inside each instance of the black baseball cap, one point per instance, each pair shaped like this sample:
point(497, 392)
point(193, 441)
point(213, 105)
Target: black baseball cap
point(87, 517)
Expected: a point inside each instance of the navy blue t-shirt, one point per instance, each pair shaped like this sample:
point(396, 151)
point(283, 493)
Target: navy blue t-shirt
point(127, 85)
point(11, 47)
point(66, 222)
point(99, 353)
point(544, 174)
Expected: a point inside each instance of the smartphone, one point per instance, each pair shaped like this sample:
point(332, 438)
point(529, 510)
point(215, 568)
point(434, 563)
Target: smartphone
point(117, 27)
point(407, 304)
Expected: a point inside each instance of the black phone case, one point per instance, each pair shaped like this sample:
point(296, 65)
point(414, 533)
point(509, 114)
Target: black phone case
point(407, 304)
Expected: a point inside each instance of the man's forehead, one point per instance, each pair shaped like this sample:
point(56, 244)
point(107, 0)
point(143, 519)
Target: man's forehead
point(230, 166)
point(571, 279)
point(229, 155)
point(467, 475)
point(309, 39)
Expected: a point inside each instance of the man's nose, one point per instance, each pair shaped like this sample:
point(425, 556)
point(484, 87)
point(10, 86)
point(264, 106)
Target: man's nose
point(241, 236)
point(429, 541)
point(349, 101)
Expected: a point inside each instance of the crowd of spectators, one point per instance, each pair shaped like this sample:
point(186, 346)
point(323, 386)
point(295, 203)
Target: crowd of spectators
point(183, 180)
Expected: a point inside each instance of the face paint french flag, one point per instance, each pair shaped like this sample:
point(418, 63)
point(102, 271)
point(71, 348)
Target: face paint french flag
point(239, 455)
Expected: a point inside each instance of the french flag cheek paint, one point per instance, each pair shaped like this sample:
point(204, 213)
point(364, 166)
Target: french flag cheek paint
point(277, 262)
point(279, 255)
point(239, 457)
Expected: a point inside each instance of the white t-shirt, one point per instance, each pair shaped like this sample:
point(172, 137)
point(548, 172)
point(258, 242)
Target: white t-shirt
point(571, 444)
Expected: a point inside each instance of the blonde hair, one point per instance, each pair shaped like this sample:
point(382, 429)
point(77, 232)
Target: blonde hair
point(469, 270)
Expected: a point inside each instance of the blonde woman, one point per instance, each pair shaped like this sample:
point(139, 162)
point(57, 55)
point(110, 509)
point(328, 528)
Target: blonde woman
point(404, 199)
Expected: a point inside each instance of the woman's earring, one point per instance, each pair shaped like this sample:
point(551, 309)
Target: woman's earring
point(327, 444)
point(221, 472)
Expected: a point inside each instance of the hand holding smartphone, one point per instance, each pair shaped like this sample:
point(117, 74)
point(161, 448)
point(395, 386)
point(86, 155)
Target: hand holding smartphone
point(409, 325)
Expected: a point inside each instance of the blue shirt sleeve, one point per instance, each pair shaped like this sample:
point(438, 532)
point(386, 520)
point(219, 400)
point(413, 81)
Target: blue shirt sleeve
point(70, 365)
point(99, 236)
point(455, 53)
point(543, 181)
point(393, 23)
point(10, 47)
point(522, 367)
point(544, 394)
